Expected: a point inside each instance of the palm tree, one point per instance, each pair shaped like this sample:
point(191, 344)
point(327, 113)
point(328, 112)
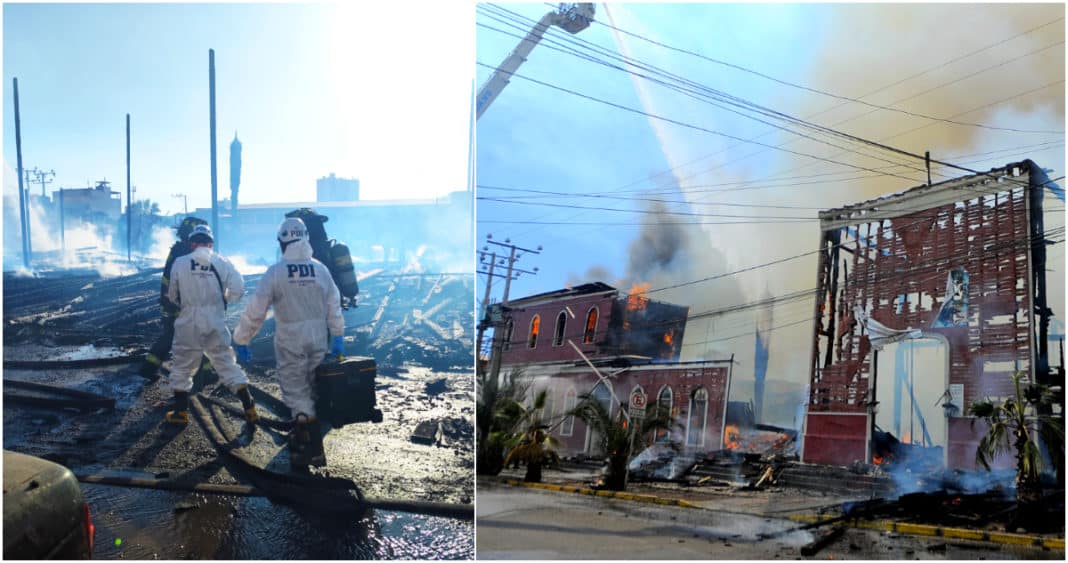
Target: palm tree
point(1013, 425)
point(493, 418)
point(617, 436)
point(529, 440)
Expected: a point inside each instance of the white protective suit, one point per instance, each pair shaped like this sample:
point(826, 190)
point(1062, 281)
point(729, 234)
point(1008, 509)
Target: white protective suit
point(201, 323)
point(307, 306)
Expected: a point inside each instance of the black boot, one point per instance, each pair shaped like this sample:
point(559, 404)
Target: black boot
point(246, 401)
point(180, 414)
point(306, 443)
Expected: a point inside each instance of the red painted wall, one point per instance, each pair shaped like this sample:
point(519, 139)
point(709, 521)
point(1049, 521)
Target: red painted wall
point(519, 353)
point(835, 439)
point(912, 255)
point(682, 379)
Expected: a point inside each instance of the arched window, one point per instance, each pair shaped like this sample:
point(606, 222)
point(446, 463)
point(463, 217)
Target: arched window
point(591, 326)
point(561, 322)
point(697, 418)
point(664, 403)
point(535, 326)
point(550, 405)
point(602, 394)
point(508, 330)
point(570, 400)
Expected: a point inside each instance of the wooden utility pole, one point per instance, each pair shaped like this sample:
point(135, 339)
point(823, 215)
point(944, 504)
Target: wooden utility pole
point(25, 229)
point(484, 321)
point(129, 198)
point(513, 272)
point(214, 177)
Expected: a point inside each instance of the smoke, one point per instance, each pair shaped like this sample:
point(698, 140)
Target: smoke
point(594, 273)
point(860, 49)
point(246, 267)
point(658, 248)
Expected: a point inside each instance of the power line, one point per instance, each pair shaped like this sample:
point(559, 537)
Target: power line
point(838, 96)
point(644, 212)
point(703, 93)
point(764, 111)
point(776, 113)
point(692, 126)
point(902, 80)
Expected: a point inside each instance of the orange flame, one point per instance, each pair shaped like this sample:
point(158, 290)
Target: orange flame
point(636, 299)
point(877, 459)
point(668, 337)
point(732, 437)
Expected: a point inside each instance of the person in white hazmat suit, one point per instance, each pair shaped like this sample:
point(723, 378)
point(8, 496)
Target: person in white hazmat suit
point(307, 309)
point(201, 284)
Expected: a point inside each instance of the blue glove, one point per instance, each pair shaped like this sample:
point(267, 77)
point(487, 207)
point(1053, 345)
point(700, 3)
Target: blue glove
point(337, 347)
point(244, 355)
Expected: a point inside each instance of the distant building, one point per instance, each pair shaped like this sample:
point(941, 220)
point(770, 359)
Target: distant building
point(331, 188)
point(92, 203)
point(235, 170)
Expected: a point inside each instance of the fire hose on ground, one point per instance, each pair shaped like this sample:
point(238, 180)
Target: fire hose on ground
point(324, 493)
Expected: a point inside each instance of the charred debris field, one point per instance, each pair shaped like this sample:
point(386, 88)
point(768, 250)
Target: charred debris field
point(72, 345)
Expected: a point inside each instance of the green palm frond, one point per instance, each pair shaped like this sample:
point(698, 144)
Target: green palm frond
point(1012, 426)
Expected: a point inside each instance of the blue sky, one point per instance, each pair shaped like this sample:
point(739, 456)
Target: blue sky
point(985, 65)
point(310, 89)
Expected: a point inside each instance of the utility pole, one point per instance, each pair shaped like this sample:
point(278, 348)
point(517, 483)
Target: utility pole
point(185, 202)
point(129, 198)
point(40, 177)
point(22, 196)
point(514, 254)
point(484, 320)
point(214, 177)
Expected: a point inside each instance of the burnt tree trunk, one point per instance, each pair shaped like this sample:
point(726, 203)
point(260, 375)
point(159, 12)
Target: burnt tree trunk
point(533, 474)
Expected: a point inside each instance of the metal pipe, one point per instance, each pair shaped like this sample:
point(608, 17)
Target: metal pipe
point(214, 177)
point(129, 200)
point(24, 229)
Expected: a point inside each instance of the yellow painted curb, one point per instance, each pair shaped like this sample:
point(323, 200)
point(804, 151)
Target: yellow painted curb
point(940, 531)
point(602, 493)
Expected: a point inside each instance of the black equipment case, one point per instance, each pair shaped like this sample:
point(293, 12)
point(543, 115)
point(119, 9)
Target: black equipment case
point(346, 391)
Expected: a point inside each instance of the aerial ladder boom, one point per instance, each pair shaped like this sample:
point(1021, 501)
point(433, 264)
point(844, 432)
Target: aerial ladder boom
point(572, 18)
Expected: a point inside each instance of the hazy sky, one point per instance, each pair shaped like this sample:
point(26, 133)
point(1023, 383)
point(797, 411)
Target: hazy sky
point(992, 66)
point(374, 91)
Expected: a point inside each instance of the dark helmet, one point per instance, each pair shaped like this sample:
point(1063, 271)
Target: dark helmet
point(187, 226)
point(313, 220)
point(305, 214)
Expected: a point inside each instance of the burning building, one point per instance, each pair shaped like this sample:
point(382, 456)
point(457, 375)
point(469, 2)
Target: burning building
point(953, 270)
point(631, 340)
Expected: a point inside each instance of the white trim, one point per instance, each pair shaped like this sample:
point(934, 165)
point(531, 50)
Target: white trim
point(559, 329)
point(573, 393)
point(611, 393)
point(689, 417)
point(671, 405)
point(586, 323)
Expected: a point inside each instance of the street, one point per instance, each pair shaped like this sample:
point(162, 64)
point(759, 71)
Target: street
point(522, 523)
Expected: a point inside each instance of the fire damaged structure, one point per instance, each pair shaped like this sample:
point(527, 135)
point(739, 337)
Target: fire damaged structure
point(959, 265)
point(634, 342)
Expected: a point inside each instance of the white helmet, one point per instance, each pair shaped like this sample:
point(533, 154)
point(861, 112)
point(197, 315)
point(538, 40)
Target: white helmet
point(291, 230)
point(201, 231)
